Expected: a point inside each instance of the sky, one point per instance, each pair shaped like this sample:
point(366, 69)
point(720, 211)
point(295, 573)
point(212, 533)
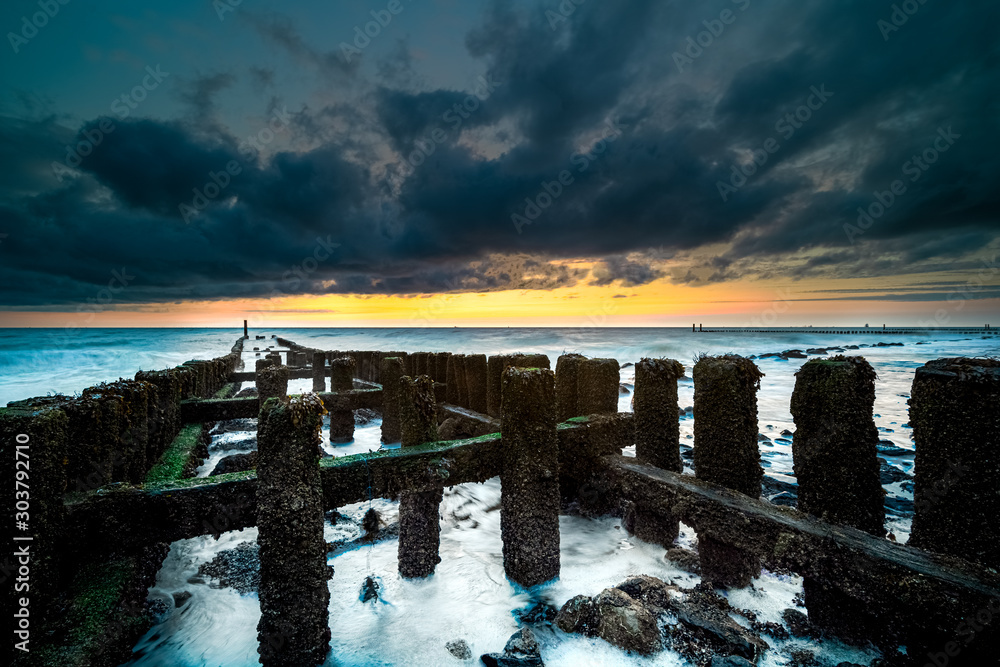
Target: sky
point(486, 163)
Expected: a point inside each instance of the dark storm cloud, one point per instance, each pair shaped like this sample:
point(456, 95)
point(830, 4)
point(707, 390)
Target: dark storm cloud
point(588, 120)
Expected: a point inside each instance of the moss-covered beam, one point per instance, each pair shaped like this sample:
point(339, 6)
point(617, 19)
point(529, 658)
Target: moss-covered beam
point(218, 409)
point(176, 462)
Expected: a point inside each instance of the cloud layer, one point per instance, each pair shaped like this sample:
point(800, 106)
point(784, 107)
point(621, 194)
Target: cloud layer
point(742, 152)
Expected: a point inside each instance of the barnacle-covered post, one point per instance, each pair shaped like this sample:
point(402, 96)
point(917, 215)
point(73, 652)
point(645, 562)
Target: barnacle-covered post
point(529, 477)
point(319, 371)
point(598, 382)
point(567, 372)
point(342, 371)
point(272, 381)
point(475, 381)
point(294, 626)
point(419, 520)
point(657, 438)
point(836, 465)
point(955, 413)
point(390, 372)
point(725, 452)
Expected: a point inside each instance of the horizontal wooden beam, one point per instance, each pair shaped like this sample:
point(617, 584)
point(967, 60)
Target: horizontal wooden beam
point(218, 409)
point(923, 591)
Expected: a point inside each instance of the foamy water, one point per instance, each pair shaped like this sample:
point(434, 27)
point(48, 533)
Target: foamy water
point(468, 597)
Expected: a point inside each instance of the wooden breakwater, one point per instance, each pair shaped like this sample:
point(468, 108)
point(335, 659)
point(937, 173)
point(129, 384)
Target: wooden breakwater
point(550, 437)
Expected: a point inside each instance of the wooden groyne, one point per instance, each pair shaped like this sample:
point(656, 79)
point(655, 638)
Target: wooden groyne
point(111, 485)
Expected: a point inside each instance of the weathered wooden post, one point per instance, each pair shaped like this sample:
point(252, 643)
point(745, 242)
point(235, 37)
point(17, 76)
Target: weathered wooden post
point(453, 393)
point(419, 518)
point(272, 381)
point(657, 439)
point(955, 414)
point(294, 598)
point(836, 443)
point(342, 371)
point(460, 380)
point(567, 378)
point(725, 452)
point(529, 478)
point(598, 382)
point(319, 371)
point(441, 366)
point(475, 381)
point(495, 366)
point(836, 465)
point(246, 332)
point(390, 372)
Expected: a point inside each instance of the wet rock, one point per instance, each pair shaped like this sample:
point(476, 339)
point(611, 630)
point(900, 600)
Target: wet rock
point(234, 425)
point(889, 448)
point(787, 433)
point(577, 616)
point(625, 623)
point(705, 624)
point(889, 474)
point(369, 590)
point(460, 649)
point(237, 568)
point(778, 492)
point(730, 661)
point(159, 609)
point(623, 390)
point(521, 651)
point(235, 463)
point(238, 441)
point(816, 350)
point(365, 416)
point(649, 591)
point(794, 354)
point(180, 597)
point(899, 506)
point(371, 522)
point(799, 624)
point(802, 658)
point(762, 438)
point(684, 559)
point(539, 613)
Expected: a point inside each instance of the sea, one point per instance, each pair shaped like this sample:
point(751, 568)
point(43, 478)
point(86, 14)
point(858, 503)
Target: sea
point(202, 622)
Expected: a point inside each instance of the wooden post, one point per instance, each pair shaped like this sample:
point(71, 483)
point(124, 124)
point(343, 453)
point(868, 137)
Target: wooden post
point(390, 372)
point(598, 382)
point(725, 452)
point(294, 598)
point(955, 413)
point(567, 377)
point(342, 371)
point(529, 478)
point(657, 439)
point(475, 381)
point(419, 514)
